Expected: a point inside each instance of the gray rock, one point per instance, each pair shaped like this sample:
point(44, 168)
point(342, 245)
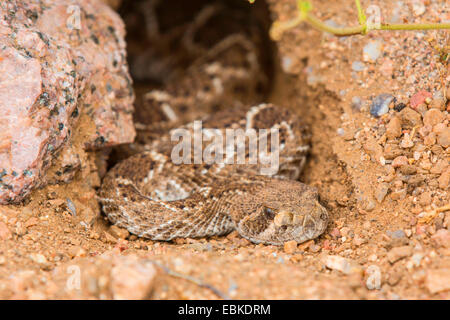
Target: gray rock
point(358, 66)
point(380, 104)
point(397, 234)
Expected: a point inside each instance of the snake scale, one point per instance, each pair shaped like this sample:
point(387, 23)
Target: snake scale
point(153, 197)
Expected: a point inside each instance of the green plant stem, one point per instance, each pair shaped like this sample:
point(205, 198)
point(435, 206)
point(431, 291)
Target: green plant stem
point(414, 26)
point(348, 31)
point(361, 16)
point(345, 31)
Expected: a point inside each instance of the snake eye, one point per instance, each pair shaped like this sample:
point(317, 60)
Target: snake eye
point(269, 213)
point(323, 216)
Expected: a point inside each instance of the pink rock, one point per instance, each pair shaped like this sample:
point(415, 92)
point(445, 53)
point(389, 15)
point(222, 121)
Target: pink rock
point(327, 245)
point(419, 98)
point(420, 229)
point(5, 234)
point(335, 233)
point(51, 73)
point(441, 238)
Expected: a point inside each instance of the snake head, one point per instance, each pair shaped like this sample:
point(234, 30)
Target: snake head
point(288, 210)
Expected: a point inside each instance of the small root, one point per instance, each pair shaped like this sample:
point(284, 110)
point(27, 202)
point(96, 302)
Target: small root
point(193, 280)
point(428, 216)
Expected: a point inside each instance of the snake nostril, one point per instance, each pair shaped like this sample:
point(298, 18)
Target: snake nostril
point(309, 223)
point(270, 214)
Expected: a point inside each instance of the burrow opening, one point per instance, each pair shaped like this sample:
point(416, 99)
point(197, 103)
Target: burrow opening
point(165, 37)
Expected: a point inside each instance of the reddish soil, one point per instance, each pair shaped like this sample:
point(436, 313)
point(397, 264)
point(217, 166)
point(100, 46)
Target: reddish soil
point(383, 179)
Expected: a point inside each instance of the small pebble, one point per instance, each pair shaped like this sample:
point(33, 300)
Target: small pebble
point(406, 142)
point(71, 207)
point(305, 245)
point(408, 232)
point(433, 117)
point(398, 253)
point(369, 205)
point(346, 232)
point(357, 241)
point(425, 199)
point(232, 289)
point(399, 106)
point(419, 98)
point(392, 150)
point(358, 66)
point(410, 118)
point(373, 280)
point(443, 138)
point(418, 8)
point(444, 180)
point(408, 169)
point(398, 234)
point(417, 258)
point(394, 278)
point(38, 258)
point(335, 233)
point(398, 194)
point(340, 132)
point(4, 231)
point(341, 264)
point(372, 258)
point(400, 161)
point(280, 260)
point(108, 237)
point(430, 139)
point(356, 103)
point(290, 246)
point(441, 238)
point(394, 128)
point(440, 127)
point(31, 222)
point(380, 104)
point(438, 103)
point(119, 232)
point(372, 51)
point(381, 192)
point(286, 63)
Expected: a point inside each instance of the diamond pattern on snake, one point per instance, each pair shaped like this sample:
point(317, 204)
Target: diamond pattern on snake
point(154, 197)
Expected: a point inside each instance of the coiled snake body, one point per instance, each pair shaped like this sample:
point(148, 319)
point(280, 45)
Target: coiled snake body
point(152, 197)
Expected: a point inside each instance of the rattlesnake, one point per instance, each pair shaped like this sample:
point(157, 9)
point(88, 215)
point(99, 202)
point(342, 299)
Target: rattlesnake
point(152, 197)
